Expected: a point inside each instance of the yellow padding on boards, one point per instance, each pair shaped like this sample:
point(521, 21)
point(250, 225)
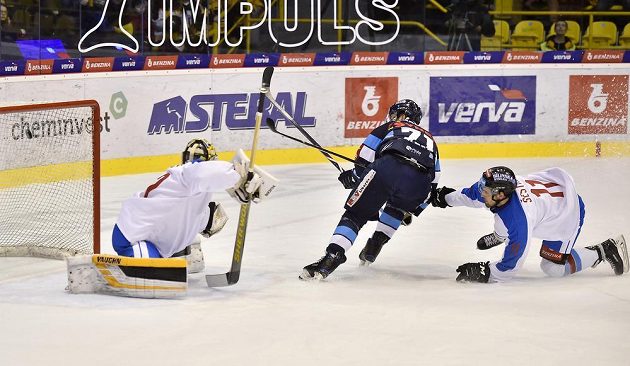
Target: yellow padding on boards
point(159, 163)
point(45, 174)
point(139, 262)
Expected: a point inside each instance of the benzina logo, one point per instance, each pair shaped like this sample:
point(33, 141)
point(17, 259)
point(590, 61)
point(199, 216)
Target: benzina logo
point(169, 116)
point(598, 104)
point(367, 103)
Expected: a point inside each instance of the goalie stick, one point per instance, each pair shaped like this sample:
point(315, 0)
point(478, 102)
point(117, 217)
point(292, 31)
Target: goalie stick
point(316, 145)
point(272, 126)
point(231, 277)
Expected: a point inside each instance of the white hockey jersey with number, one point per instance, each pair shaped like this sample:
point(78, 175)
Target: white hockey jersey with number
point(171, 211)
point(545, 205)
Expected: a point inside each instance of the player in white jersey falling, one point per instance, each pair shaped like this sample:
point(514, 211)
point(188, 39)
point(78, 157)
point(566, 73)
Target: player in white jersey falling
point(544, 205)
point(164, 219)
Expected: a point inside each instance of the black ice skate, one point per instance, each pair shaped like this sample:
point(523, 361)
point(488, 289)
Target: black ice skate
point(489, 241)
point(373, 248)
point(613, 251)
point(323, 267)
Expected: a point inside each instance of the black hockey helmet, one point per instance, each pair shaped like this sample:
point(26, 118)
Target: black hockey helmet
point(498, 179)
point(408, 107)
point(200, 150)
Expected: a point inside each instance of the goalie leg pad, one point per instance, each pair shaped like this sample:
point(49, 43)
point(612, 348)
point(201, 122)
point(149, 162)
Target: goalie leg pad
point(125, 276)
point(194, 259)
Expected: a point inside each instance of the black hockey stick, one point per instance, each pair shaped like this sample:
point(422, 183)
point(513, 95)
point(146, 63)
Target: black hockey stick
point(272, 126)
point(231, 277)
point(314, 143)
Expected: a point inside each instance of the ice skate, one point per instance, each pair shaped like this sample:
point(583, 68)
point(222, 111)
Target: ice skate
point(323, 267)
point(370, 252)
point(615, 252)
point(372, 248)
point(489, 241)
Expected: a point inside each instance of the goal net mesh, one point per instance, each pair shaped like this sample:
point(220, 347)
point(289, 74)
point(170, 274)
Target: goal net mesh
point(49, 179)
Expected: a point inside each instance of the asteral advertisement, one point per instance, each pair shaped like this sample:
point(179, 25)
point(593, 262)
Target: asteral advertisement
point(367, 103)
point(598, 104)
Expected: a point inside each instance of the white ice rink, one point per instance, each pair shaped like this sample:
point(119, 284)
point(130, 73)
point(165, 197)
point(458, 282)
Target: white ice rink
point(406, 309)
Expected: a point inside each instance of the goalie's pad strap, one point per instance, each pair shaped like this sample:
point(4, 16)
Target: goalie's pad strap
point(127, 276)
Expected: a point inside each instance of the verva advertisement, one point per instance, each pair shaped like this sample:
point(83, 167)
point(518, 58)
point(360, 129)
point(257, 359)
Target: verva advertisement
point(485, 105)
point(367, 103)
point(598, 104)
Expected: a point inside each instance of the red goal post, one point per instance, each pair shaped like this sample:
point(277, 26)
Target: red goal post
point(50, 179)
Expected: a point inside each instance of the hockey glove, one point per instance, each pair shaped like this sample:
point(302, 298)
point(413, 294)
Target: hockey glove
point(473, 272)
point(439, 198)
point(348, 178)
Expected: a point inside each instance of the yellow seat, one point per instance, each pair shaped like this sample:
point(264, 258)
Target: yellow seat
point(604, 35)
point(503, 5)
point(624, 38)
point(573, 31)
point(528, 34)
point(501, 36)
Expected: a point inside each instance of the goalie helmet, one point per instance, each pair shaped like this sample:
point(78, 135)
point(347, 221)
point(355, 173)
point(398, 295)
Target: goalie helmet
point(408, 107)
point(498, 179)
point(200, 150)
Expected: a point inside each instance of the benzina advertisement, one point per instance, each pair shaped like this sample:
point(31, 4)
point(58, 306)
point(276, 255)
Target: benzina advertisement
point(367, 103)
point(598, 104)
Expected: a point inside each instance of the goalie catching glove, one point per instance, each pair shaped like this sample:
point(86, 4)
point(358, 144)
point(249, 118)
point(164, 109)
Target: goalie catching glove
point(255, 185)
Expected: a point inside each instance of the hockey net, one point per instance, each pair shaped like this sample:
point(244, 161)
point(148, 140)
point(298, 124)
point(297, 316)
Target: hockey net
point(49, 179)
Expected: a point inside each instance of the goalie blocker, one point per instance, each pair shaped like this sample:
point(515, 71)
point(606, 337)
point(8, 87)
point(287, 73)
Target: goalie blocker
point(153, 278)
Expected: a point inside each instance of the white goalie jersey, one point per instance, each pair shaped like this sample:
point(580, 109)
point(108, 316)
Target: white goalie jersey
point(170, 212)
point(544, 205)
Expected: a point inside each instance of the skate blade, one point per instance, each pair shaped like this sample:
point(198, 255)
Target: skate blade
point(366, 263)
point(306, 276)
point(624, 253)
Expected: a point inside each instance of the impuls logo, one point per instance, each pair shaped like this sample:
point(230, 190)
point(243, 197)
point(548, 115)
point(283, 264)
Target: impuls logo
point(201, 18)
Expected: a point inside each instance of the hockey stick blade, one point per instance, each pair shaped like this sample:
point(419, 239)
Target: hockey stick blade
point(272, 126)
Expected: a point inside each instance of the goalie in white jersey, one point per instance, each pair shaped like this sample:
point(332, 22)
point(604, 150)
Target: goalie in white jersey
point(544, 205)
point(165, 219)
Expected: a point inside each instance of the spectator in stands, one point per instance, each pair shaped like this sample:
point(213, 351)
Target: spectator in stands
point(558, 41)
point(8, 32)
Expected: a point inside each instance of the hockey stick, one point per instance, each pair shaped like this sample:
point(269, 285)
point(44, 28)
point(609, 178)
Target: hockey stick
point(272, 126)
point(316, 145)
point(231, 277)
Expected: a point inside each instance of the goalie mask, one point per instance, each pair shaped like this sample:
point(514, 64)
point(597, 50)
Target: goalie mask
point(407, 107)
point(498, 179)
point(198, 150)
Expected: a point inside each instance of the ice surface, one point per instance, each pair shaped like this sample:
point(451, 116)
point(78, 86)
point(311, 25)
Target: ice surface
point(405, 309)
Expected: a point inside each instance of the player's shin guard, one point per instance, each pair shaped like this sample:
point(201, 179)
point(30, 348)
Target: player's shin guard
point(127, 276)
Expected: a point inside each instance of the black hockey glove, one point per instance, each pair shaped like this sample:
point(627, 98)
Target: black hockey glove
point(474, 272)
point(439, 198)
point(348, 179)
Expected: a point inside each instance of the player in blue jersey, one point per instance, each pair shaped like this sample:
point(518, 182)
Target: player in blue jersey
point(544, 205)
point(402, 168)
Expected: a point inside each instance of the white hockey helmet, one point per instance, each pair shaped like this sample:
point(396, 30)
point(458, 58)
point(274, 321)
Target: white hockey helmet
point(200, 150)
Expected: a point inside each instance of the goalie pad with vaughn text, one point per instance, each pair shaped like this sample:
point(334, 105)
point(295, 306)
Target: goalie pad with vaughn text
point(153, 278)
